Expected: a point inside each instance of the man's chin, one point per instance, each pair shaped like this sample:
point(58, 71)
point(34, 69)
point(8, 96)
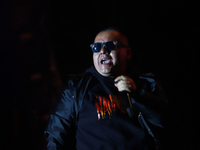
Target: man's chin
point(106, 72)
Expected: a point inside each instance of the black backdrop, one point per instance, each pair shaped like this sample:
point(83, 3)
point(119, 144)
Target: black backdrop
point(163, 35)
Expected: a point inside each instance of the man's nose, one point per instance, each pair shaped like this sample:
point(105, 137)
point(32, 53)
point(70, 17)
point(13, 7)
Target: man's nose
point(104, 50)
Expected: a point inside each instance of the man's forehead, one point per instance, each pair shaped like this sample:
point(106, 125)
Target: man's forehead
point(108, 36)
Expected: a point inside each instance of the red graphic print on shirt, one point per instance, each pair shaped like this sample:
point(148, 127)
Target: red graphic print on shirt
point(107, 105)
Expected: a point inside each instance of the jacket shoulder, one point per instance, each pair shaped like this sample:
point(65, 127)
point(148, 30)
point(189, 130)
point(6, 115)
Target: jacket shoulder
point(148, 81)
point(72, 95)
point(76, 82)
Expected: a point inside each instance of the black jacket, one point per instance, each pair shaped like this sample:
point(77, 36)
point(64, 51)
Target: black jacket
point(149, 102)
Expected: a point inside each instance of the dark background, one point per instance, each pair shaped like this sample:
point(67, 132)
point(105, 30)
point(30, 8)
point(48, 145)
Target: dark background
point(43, 41)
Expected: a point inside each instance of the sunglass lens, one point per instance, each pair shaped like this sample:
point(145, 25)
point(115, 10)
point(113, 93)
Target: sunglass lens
point(96, 47)
point(111, 45)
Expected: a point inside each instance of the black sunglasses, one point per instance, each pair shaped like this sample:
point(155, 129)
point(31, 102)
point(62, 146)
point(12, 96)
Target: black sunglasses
point(110, 45)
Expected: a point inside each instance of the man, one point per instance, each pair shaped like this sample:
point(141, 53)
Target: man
point(105, 109)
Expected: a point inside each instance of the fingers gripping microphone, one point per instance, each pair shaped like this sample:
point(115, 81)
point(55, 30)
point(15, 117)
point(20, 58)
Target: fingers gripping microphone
point(127, 101)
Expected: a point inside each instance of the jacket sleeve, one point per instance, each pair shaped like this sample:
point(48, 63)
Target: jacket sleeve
point(150, 100)
point(152, 94)
point(61, 127)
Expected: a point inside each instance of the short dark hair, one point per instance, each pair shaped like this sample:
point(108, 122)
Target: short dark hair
point(115, 29)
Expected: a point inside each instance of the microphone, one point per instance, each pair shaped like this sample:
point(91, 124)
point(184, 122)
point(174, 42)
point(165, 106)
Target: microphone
point(127, 101)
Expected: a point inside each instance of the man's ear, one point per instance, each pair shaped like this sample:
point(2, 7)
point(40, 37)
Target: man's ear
point(129, 53)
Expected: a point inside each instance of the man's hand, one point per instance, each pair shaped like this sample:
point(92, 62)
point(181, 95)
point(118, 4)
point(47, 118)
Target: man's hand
point(124, 83)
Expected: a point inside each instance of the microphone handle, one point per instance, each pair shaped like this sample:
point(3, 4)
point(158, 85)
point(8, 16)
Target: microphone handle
point(127, 101)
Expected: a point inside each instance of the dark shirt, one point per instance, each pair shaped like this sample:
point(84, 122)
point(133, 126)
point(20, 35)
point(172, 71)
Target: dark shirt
point(103, 122)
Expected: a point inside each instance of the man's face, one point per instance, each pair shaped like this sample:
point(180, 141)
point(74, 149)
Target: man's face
point(111, 63)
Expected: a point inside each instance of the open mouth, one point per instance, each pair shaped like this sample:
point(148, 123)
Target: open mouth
point(106, 61)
